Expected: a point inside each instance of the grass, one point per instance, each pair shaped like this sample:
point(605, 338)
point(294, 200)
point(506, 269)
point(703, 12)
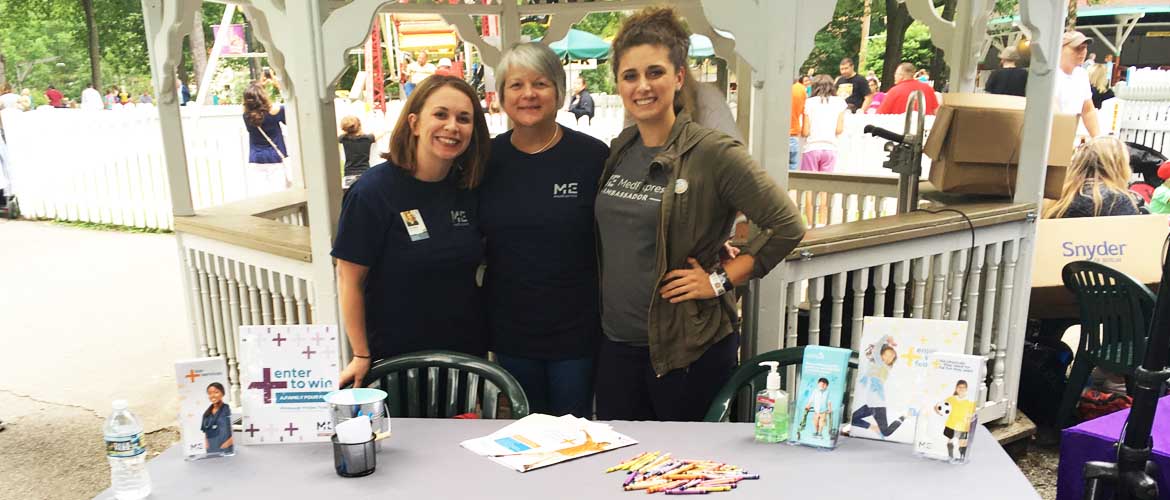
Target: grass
point(97, 226)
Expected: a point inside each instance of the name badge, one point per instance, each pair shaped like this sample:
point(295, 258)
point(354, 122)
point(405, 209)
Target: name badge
point(415, 227)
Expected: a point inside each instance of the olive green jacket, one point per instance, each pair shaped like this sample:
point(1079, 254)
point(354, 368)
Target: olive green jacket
point(710, 177)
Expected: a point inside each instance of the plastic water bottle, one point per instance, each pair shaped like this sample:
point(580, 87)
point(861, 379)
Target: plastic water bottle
point(126, 453)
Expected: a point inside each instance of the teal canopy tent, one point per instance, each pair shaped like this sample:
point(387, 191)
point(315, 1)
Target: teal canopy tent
point(581, 45)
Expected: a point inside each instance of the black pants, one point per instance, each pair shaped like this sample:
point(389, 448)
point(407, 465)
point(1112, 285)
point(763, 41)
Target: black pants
point(879, 417)
point(628, 389)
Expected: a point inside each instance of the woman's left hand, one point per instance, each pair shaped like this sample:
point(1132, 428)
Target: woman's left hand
point(687, 284)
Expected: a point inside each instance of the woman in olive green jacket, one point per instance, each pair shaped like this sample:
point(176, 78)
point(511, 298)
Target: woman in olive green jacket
point(669, 194)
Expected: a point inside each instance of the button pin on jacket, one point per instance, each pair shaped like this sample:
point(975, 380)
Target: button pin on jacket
point(680, 186)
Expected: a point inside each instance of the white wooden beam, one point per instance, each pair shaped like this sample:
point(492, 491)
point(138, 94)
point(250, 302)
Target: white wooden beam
point(587, 7)
point(465, 28)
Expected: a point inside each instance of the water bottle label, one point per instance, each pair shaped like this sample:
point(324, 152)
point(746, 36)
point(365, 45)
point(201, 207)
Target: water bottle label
point(124, 447)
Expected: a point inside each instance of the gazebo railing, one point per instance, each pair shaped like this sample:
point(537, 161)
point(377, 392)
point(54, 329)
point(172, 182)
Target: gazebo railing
point(917, 265)
point(826, 198)
point(244, 265)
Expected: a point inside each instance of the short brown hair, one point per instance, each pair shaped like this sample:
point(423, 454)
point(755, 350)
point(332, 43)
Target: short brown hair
point(661, 26)
point(404, 145)
point(351, 124)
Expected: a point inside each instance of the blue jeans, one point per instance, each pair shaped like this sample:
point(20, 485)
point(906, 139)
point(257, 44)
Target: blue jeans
point(407, 89)
point(793, 153)
point(554, 387)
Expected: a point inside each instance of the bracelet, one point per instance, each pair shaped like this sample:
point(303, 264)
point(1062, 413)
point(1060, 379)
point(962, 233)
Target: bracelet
point(717, 283)
point(363, 357)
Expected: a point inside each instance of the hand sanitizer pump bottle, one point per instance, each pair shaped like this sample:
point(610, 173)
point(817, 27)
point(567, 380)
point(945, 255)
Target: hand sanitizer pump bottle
point(772, 408)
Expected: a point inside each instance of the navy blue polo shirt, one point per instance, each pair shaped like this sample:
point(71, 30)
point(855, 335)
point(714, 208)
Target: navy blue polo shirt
point(420, 292)
point(536, 212)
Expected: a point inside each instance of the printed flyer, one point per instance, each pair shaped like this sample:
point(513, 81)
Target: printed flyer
point(205, 417)
point(285, 373)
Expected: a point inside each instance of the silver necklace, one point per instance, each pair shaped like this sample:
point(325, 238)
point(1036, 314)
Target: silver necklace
point(549, 143)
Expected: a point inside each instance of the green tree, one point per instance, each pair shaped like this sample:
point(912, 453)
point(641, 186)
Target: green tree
point(604, 25)
point(841, 38)
point(916, 49)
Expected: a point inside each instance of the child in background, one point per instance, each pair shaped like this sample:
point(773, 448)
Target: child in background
point(958, 423)
point(1160, 201)
point(824, 120)
point(356, 146)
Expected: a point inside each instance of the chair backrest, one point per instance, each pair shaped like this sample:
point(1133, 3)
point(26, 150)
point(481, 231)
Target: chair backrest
point(1115, 314)
point(735, 401)
point(443, 384)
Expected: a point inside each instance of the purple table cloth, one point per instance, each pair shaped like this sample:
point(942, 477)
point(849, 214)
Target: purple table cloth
point(1094, 441)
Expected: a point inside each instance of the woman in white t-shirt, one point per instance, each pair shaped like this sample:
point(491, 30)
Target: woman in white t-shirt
point(824, 120)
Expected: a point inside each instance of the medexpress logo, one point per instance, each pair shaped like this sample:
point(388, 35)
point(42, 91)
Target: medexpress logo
point(566, 190)
point(1096, 252)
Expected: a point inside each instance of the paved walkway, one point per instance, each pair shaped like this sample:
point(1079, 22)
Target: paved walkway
point(86, 317)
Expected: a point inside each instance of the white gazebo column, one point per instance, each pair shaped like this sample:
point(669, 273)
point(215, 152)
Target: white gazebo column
point(962, 40)
point(166, 25)
point(775, 50)
point(1044, 19)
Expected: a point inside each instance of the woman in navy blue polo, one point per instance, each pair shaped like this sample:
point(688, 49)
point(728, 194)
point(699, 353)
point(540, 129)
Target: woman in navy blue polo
point(536, 211)
point(408, 242)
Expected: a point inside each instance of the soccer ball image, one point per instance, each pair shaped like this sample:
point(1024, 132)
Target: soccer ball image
point(943, 408)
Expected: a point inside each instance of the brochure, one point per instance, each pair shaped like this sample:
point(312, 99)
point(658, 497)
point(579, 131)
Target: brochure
point(205, 417)
point(285, 373)
point(892, 360)
point(950, 405)
point(540, 440)
point(819, 396)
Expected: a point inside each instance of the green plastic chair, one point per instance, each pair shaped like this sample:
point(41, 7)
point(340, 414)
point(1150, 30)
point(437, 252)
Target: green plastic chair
point(735, 401)
point(447, 383)
point(1115, 314)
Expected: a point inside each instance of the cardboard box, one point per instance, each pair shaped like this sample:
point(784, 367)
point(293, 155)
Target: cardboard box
point(974, 145)
point(1130, 244)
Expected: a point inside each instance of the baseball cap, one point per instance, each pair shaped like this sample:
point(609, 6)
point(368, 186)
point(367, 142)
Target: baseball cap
point(1074, 38)
point(1009, 54)
point(444, 62)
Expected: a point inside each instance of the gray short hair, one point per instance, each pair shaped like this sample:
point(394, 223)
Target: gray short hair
point(533, 56)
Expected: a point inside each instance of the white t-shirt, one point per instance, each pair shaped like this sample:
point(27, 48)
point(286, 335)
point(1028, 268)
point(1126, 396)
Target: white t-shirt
point(1072, 90)
point(822, 122)
point(420, 72)
point(91, 99)
point(9, 100)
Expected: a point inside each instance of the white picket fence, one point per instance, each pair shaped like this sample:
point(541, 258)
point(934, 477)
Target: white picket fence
point(107, 166)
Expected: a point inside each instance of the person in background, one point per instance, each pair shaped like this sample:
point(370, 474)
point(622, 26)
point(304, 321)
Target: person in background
point(669, 192)
point(922, 75)
point(852, 87)
point(111, 98)
point(875, 90)
point(1099, 84)
point(123, 97)
point(408, 242)
point(25, 102)
point(418, 70)
point(806, 80)
point(145, 98)
point(55, 97)
point(536, 213)
point(1160, 201)
point(1097, 183)
point(796, 123)
point(9, 99)
point(356, 147)
point(184, 93)
point(266, 171)
point(1074, 94)
point(905, 85)
point(1009, 79)
point(444, 68)
point(582, 103)
point(824, 121)
point(91, 99)
point(1089, 61)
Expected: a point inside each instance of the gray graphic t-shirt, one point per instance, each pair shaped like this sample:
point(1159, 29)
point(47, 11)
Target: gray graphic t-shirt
point(628, 209)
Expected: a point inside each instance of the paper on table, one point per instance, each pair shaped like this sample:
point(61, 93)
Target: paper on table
point(539, 440)
point(354, 430)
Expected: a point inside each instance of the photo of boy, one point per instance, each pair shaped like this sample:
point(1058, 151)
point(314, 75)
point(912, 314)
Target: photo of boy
point(819, 405)
point(958, 425)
